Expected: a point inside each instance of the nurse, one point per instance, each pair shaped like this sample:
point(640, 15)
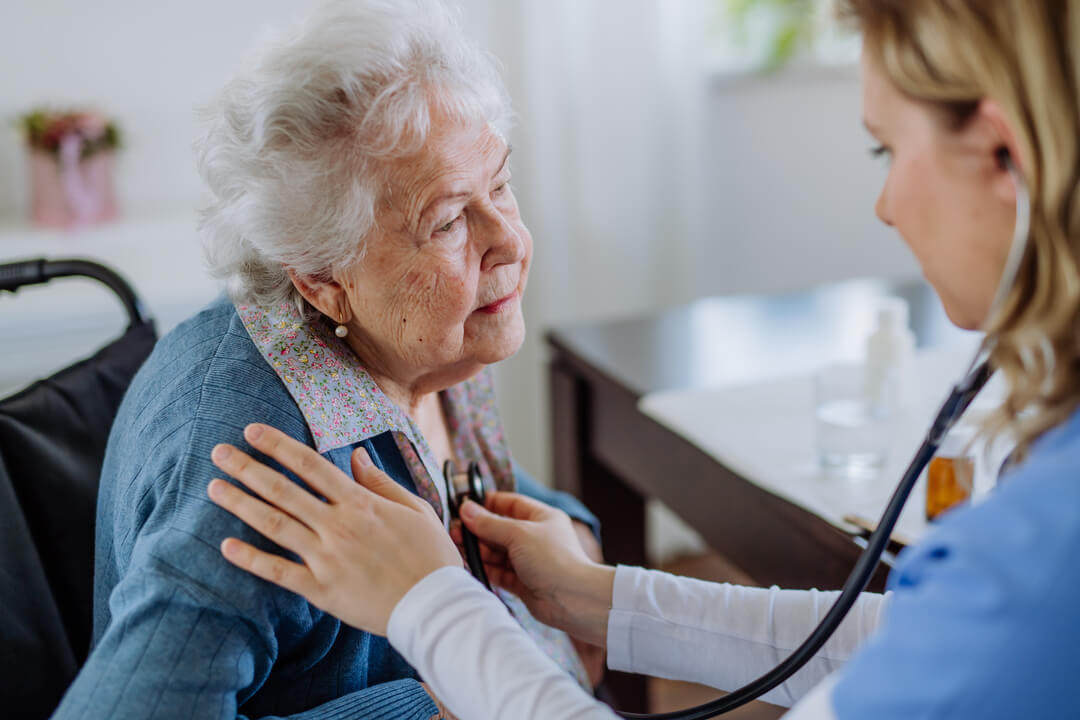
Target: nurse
point(980, 620)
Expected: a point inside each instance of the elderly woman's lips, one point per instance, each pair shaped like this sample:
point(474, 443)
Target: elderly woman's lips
point(498, 304)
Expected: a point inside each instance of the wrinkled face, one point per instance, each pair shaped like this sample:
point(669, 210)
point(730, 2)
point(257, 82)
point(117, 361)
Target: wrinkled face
point(438, 292)
point(945, 194)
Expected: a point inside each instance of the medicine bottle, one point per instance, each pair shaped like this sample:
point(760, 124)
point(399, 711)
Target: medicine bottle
point(950, 477)
point(890, 351)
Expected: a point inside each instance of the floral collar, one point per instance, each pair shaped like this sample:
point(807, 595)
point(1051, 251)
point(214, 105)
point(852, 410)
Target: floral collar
point(343, 406)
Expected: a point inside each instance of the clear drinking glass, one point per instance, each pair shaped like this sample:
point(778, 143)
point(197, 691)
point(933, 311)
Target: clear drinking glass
point(853, 422)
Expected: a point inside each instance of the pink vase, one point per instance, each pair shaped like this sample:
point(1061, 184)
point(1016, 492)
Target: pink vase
point(69, 192)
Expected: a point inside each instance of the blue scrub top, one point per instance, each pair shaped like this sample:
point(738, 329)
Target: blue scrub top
point(985, 621)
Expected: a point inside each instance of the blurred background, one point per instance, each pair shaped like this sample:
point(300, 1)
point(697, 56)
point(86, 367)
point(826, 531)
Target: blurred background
point(665, 150)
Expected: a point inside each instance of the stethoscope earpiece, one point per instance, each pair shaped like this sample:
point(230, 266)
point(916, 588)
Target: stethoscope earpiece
point(1004, 158)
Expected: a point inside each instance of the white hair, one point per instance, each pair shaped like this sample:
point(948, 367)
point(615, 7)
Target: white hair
point(294, 143)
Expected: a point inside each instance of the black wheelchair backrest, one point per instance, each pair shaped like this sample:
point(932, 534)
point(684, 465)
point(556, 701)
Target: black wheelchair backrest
point(52, 445)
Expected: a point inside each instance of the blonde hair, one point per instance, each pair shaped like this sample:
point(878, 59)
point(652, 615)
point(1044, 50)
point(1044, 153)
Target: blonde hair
point(1025, 55)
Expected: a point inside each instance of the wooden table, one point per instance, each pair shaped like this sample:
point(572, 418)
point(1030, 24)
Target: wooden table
point(614, 458)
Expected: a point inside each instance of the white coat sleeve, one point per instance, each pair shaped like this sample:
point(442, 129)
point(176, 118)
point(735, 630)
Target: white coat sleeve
point(725, 636)
point(477, 659)
point(479, 662)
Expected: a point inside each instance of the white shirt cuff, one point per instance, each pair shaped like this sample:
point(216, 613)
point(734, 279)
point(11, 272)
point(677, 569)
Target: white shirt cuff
point(620, 619)
point(818, 704)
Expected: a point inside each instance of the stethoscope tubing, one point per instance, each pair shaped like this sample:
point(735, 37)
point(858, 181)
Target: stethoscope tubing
point(958, 401)
point(961, 396)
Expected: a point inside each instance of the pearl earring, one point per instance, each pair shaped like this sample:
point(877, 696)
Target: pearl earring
point(341, 331)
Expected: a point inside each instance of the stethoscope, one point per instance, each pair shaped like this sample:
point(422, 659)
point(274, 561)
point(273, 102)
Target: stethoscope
point(460, 487)
point(960, 397)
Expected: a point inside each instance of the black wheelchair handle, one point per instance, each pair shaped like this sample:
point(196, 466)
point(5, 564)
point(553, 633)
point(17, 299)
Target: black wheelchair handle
point(28, 272)
point(15, 275)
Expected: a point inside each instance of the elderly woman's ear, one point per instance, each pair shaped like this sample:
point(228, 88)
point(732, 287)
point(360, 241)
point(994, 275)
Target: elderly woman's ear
point(327, 296)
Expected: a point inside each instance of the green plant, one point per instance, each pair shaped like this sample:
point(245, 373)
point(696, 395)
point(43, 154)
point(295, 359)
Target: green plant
point(45, 130)
point(790, 25)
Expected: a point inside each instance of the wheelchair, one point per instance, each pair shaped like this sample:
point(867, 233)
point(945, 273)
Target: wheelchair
point(52, 444)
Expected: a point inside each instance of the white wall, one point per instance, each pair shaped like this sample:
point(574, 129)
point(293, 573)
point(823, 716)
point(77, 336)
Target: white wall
point(149, 64)
point(792, 186)
point(785, 169)
point(790, 189)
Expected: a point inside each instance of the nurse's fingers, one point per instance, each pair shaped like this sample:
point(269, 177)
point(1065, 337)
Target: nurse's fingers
point(269, 521)
point(493, 554)
point(273, 568)
point(311, 467)
point(505, 578)
point(489, 553)
point(270, 485)
point(517, 507)
point(366, 474)
point(490, 527)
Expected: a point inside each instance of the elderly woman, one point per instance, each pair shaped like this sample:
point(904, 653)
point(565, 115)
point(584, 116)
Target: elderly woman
point(363, 221)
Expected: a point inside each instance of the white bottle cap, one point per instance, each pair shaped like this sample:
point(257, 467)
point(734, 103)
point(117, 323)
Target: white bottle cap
point(893, 314)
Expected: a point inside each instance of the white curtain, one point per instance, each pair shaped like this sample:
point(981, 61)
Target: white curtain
point(610, 96)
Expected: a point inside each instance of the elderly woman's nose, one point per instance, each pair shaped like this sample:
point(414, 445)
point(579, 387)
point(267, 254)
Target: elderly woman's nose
point(506, 243)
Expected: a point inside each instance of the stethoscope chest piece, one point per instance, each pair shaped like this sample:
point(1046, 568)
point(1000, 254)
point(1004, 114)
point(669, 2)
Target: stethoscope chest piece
point(460, 487)
point(463, 486)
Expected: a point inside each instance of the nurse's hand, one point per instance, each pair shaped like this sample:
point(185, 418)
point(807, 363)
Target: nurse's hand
point(370, 539)
point(532, 550)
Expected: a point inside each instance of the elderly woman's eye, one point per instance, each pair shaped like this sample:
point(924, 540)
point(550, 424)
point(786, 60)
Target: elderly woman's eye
point(448, 226)
point(501, 189)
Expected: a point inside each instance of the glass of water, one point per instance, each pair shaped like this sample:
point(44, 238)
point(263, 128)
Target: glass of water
point(853, 422)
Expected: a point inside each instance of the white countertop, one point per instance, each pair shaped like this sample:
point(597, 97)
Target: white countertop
point(765, 434)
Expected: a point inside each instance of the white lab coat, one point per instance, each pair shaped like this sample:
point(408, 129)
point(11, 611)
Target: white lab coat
point(477, 660)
